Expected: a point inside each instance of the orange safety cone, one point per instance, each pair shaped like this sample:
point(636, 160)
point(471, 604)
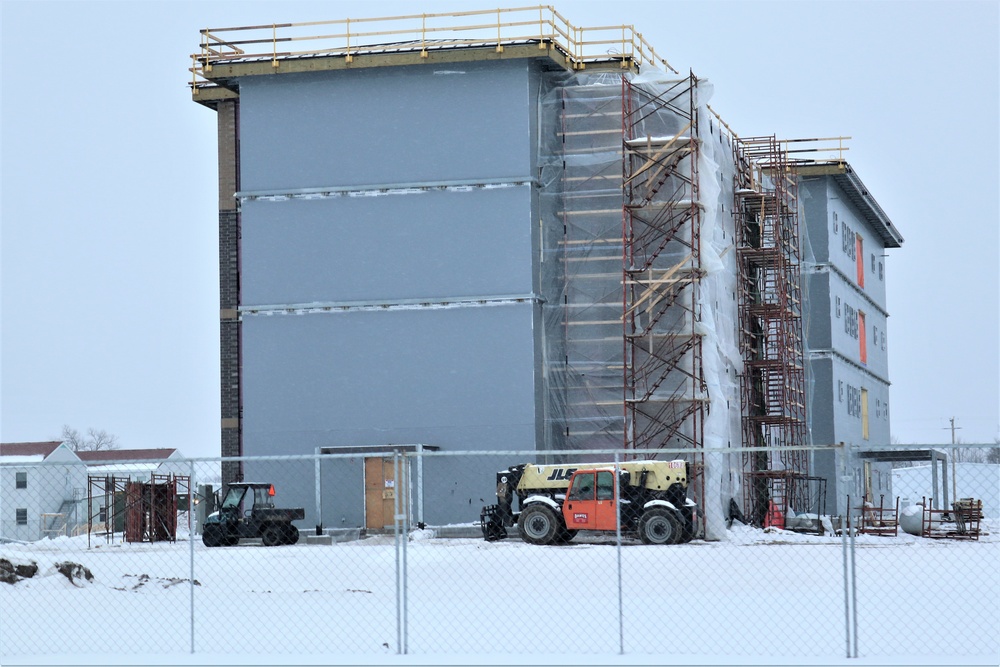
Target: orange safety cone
point(270, 491)
point(774, 516)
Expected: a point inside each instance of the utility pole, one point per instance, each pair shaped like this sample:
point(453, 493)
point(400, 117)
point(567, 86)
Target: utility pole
point(953, 429)
point(954, 458)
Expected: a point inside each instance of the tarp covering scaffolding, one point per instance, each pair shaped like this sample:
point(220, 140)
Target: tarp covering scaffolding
point(638, 274)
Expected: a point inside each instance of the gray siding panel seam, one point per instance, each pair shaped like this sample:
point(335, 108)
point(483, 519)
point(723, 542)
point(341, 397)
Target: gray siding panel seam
point(823, 268)
point(385, 188)
point(399, 304)
point(828, 354)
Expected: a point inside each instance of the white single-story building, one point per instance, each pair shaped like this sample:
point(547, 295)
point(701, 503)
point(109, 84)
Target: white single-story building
point(971, 480)
point(41, 484)
point(44, 486)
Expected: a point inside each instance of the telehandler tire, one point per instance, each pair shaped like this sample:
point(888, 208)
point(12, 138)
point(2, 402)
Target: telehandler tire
point(659, 525)
point(688, 527)
point(539, 524)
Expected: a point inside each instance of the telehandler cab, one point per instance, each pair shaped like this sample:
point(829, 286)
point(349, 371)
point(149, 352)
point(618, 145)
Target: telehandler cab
point(557, 501)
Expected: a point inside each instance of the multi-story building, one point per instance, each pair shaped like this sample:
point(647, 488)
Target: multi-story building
point(492, 241)
point(846, 234)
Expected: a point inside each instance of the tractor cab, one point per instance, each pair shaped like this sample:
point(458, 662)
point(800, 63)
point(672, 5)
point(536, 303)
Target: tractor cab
point(590, 501)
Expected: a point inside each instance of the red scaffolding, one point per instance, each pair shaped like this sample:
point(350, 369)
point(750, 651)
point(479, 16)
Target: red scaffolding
point(140, 511)
point(665, 395)
point(770, 315)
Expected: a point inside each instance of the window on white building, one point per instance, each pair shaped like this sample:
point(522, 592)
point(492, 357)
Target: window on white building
point(21, 480)
point(21, 514)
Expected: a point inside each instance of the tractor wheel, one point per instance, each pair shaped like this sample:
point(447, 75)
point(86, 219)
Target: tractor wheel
point(272, 536)
point(212, 535)
point(659, 525)
point(687, 534)
point(539, 524)
point(289, 534)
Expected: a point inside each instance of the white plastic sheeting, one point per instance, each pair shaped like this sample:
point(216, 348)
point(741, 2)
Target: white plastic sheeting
point(580, 272)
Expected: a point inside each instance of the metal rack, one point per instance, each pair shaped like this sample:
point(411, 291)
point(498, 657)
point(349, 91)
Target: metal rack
point(962, 522)
point(877, 520)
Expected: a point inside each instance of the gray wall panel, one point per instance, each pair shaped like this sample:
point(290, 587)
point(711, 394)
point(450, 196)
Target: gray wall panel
point(428, 369)
point(817, 312)
point(848, 214)
point(816, 224)
point(427, 244)
point(386, 125)
point(821, 404)
point(461, 379)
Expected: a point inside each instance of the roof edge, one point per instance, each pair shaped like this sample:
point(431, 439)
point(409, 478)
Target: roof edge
point(849, 181)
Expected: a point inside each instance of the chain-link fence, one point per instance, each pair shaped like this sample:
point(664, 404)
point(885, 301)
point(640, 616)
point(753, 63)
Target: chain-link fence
point(383, 552)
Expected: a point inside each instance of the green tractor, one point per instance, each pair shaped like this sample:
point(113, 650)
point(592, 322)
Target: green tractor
point(225, 527)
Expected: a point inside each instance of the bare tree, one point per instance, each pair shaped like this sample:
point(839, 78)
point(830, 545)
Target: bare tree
point(101, 440)
point(95, 440)
point(72, 438)
point(993, 453)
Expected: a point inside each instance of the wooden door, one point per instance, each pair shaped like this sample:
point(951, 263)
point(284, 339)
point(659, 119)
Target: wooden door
point(859, 249)
point(863, 337)
point(381, 489)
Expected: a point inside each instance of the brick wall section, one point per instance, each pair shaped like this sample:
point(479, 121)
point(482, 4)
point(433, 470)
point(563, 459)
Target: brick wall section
point(227, 113)
point(229, 287)
point(229, 263)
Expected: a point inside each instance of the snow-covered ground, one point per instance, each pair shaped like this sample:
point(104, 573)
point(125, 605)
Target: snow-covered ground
point(759, 597)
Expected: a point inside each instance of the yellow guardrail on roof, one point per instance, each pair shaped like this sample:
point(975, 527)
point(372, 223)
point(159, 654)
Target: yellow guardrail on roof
point(348, 38)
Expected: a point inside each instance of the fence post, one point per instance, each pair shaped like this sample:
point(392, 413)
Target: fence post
point(844, 529)
point(618, 542)
point(399, 573)
point(420, 486)
point(405, 504)
point(854, 595)
point(192, 530)
point(319, 493)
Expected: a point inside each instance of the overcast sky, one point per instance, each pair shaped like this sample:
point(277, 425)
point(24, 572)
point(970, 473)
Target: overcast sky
point(110, 308)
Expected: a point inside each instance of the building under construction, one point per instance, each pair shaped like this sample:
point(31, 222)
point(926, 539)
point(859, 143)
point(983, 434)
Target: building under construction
point(497, 230)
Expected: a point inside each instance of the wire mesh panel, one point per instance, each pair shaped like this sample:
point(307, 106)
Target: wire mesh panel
point(538, 553)
point(755, 593)
point(932, 587)
point(508, 595)
point(277, 585)
point(73, 583)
